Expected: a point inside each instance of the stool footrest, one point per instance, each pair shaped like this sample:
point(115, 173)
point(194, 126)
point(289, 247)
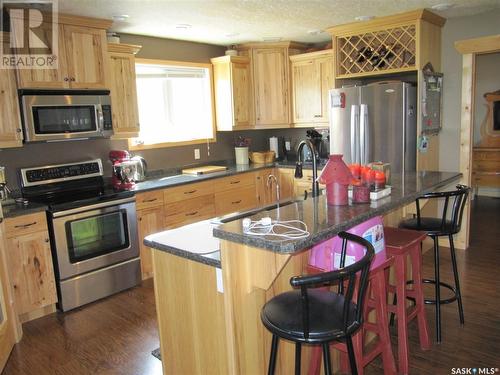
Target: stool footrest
point(441, 301)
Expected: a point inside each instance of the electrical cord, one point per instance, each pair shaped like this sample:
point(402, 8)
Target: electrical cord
point(284, 230)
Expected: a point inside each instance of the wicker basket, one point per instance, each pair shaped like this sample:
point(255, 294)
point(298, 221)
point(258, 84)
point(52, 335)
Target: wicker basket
point(262, 157)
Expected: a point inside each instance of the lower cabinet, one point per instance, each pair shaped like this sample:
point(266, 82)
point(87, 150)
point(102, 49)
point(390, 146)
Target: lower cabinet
point(240, 199)
point(149, 221)
point(189, 210)
point(266, 194)
point(30, 265)
point(286, 180)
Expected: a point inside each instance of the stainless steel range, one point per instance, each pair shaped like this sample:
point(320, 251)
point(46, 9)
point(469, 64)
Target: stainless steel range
point(93, 230)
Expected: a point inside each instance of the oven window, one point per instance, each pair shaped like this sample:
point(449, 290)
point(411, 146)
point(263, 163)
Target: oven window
point(64, 119)
point(97, 235)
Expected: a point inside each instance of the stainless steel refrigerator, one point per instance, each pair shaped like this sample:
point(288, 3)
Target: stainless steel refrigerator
point(376, 122)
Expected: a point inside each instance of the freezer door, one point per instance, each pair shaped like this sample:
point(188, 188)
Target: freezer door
point(386, 110)
point(341, 104)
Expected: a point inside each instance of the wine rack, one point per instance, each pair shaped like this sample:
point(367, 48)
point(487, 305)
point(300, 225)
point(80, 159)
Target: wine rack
point(381, 51)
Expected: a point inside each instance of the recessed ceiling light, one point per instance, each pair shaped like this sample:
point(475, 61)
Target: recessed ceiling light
point(231, 35)
point(441, 7)
point(120, 17)
point(183, 26)
point(364, 18)
point(272, 39)
point(315, 32)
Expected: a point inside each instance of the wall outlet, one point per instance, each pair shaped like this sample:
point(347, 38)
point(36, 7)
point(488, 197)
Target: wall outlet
point(196, 153)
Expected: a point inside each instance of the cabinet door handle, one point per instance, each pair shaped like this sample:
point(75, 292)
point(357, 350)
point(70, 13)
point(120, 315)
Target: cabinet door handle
point(72, 79)
point(46, 240)
point(66, 79)
point(235, 182)
point(149, 200)
point(236, 202)
point(317, 115)
point(191, 213)
point(25, 225)
point(190, 192)
point(18, 130)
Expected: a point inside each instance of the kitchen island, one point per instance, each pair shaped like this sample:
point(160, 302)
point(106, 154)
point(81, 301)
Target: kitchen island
point(209, 310)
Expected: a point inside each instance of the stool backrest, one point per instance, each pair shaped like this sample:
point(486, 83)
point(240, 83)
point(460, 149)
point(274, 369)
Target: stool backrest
point(349, 279)
point(459, 199)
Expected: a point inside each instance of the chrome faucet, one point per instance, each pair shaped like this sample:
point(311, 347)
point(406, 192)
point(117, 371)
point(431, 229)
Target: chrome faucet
point(270, 179)
point(298, 167)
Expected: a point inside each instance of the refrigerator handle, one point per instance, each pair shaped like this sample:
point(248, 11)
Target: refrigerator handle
point(364, 137)
point(354, 133)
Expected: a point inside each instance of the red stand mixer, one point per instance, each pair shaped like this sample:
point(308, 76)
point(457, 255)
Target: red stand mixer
point(127, 170)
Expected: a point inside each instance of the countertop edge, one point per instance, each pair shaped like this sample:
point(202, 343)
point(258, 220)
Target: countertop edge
point(301, 245)
point(200, 258)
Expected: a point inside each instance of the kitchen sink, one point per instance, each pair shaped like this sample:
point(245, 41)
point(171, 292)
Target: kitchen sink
point(240, 215)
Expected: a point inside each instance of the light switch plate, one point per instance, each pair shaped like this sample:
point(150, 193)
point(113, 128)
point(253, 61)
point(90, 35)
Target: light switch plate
point(196, 153)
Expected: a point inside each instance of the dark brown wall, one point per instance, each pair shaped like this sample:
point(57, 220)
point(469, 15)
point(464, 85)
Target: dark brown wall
point(174, 157)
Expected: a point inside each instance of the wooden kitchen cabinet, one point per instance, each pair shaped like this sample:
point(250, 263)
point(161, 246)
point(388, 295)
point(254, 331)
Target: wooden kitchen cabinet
point(238, 199)
point(266, 195)
point(189, 211)
point(30, 265)
point(312, 77)
point(11, 134)
point(122, 84)
point(149, 221)
point(81, 56)
point(271, 84)
point(233, 92)
point(286, 180)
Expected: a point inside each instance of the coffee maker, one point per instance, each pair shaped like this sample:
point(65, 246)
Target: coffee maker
point(127, 170)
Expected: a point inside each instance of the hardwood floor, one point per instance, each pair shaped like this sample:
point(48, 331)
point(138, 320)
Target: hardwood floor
point(117, 335)
point(112, 336)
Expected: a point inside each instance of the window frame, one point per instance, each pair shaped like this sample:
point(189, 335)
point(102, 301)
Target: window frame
point(137, 147)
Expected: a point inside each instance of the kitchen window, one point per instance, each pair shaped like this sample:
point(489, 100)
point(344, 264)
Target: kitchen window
point(175, 104)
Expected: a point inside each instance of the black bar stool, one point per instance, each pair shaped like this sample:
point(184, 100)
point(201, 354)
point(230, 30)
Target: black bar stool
point(320, 316)
point(448, 225)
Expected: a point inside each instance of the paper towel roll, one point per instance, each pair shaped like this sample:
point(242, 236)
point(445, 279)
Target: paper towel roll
point(273, 145)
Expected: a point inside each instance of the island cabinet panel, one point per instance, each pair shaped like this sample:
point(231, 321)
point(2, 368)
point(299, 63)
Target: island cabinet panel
point(149, 221)
point(189, 210)
point(191, 317)
point(251, 278)
point(30, 264)
point(123, 90)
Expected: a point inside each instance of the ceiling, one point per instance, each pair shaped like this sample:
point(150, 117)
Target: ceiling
point(225, 22)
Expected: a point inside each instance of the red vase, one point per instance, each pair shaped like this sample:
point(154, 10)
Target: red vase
point(337, 177)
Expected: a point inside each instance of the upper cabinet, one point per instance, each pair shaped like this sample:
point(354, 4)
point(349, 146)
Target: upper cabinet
point(271, 84)
point(123, 88)
point(233, 92)
point(394, 44)
point(81, 53)
point(312, 76)
point(11, 134)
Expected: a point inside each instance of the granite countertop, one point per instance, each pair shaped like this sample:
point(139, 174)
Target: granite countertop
point(324, 222)
point(13, 209)
point(194, 241)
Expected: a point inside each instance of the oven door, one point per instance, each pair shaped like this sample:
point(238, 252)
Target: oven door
point(89, 238)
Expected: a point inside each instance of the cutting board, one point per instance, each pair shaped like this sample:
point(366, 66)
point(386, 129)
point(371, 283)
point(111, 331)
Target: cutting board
point(204, 170)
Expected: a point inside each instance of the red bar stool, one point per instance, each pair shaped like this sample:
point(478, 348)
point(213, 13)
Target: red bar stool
point(376, 300)
point(401, 243)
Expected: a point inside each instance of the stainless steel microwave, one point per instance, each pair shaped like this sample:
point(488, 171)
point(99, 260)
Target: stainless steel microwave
point(59, 115)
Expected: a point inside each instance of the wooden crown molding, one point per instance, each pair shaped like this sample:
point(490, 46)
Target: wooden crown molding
point(287, 44)
point(307, 55)
point(226, 59)
point(486, 44)
point(124, 48)
point(387, 21)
